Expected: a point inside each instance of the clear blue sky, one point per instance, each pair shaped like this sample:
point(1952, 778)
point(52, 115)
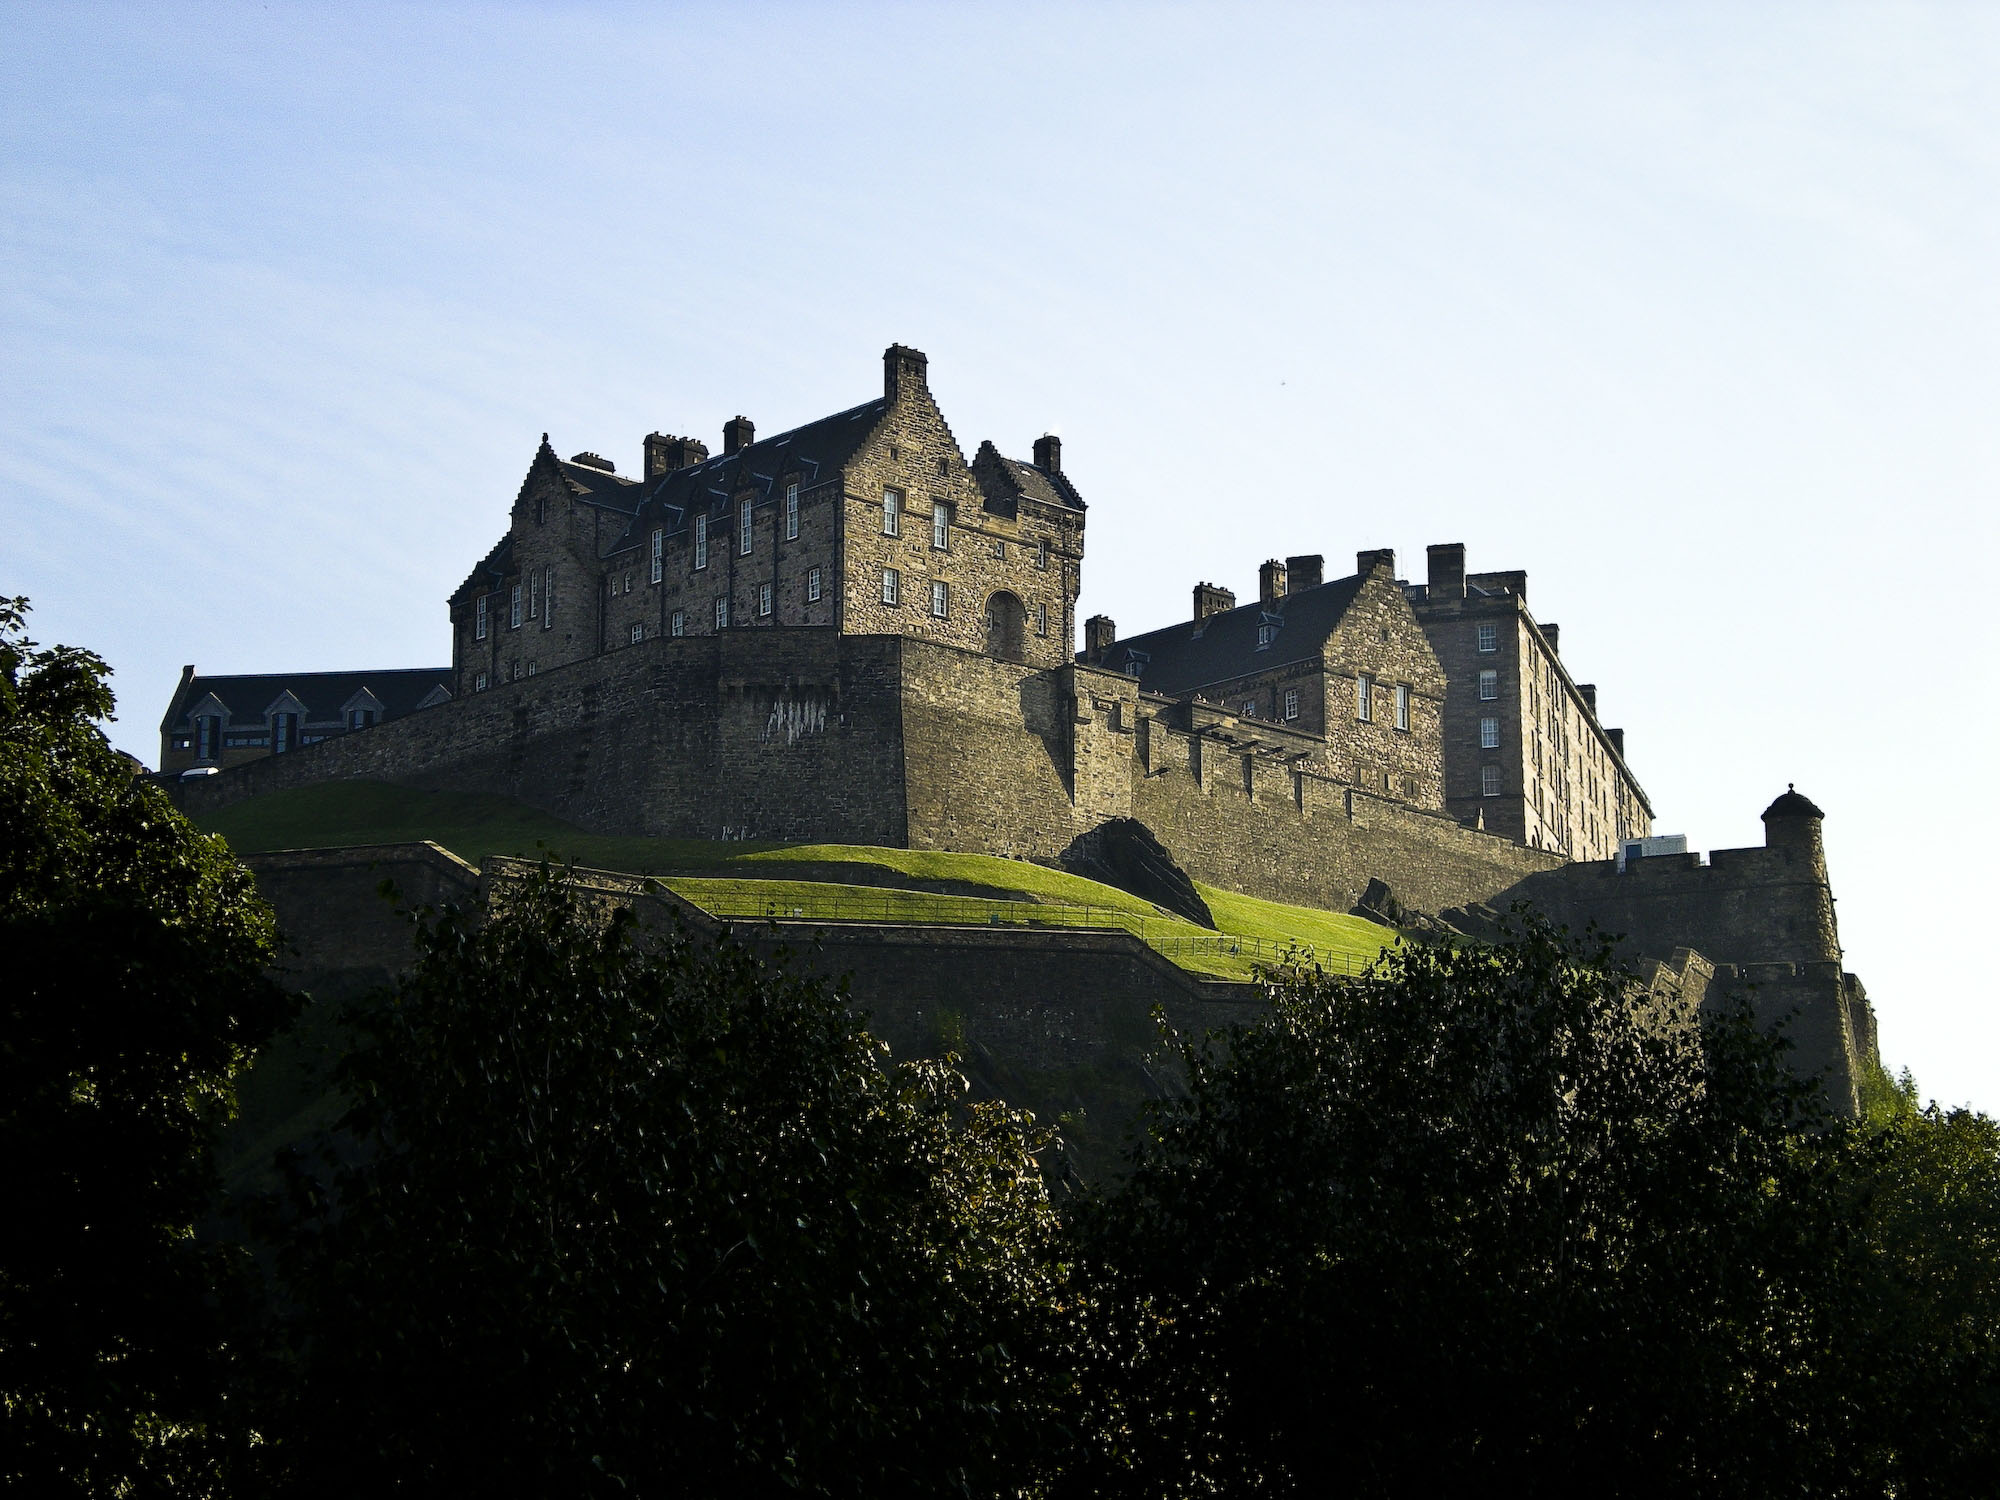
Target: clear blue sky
point(1689, 311)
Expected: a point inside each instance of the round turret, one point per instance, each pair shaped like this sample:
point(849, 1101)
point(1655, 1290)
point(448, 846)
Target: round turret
point(1792, 822)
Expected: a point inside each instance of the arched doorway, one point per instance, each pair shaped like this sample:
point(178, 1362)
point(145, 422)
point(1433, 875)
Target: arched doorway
point(1006, 627)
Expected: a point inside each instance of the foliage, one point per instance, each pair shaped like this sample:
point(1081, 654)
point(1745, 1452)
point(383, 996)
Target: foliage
point(1490, 1216)
point(136, 949)
point(626, 1211)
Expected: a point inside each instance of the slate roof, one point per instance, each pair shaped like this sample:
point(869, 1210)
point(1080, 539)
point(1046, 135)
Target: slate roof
point(819, 450)
point(1193, 654)
point(1004, 478)
point(1792, 805)
point(324, 694)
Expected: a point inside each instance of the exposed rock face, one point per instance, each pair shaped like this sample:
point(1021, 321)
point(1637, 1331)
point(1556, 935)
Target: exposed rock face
point(1122, 852)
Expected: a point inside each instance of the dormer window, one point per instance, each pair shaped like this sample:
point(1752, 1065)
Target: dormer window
point(1267, 630)
point(700, 542)
point(284, 733)
point(360, 718)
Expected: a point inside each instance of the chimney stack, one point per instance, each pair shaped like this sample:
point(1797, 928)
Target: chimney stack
point(1099, 631)
point(1553, 635)
point(1447, 570)
point(1306, 572)
point(1371, 558)
point(1617, 738)
point(904, 370)
point(665, 453)
point(1048, 453)
point(1271, 582)
point(1588, 692)
point(1210, 600)
point(738, 433)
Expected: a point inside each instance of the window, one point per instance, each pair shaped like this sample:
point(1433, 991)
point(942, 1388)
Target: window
point(721, 611)
point(1489, 637)
point(638, 634)
point(534, 596)
point(940, 598)
point(204, 736)
point(659, 553)
point(1489, 686)
point(284, 732)
point(360, 718)
point(514, 609)
point(745, 530)
point(679, 625)
point(1489, 734)
point(700, 542)
point(812, 586)
point(1291, 703)
point(1134, 668)
point(892, 586)
point(1249, 708)
point(999, 548)
point(940, 526)
point(1489, 781)
point(1042, 555)
point(531, 669)
point(1364, 697)
point(791, 512)
point(763, 598)
point(1267, 631)
point(1402, 705)
point(892, 512)
point(1041, 619)
point(479, 683)
point(628, 583)
point(479, 619)
point(548, 596)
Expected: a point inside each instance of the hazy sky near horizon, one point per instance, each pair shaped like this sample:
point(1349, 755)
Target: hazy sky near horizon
point(1689, 311)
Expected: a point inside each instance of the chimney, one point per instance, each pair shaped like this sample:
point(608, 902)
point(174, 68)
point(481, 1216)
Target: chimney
point(1588, 692)
point(1375, 557)
point(1271, 582)
point(1447, 570)
point(1617, 738)
point(1553, 635)
point(1302, 573)
point(1099, 631)
point(665, 454)
point(904, 369)
point(1210, 600)
point(1048, 453)
point(738, 433)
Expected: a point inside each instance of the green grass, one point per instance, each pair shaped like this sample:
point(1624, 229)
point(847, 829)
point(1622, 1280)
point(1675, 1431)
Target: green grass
point(828, 882)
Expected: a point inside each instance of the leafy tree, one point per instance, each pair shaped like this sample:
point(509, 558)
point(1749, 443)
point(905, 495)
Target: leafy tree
point(633, 1212)
point(134, 995)
point(1489, 1215)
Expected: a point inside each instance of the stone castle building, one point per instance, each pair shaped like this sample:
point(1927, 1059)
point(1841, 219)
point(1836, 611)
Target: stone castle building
point(849, 632)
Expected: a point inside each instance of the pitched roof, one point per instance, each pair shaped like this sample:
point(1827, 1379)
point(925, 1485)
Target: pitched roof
point(819, 450)
point(323, 694)
point(1007, 479)
point(1194, 654)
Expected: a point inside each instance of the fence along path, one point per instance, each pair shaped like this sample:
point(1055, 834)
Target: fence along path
point(780, 901)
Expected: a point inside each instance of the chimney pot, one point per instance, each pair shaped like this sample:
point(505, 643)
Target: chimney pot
point(1304, 572)
point(1210, 600)
point(1447, 570)
point(1552, 633)
point(904, 369)
point(1048, 453)
point(738, 433)
point(1617, 738)
point(1271, 582)
point(1367, 560)
point(1588, 692)
point(1099, 631)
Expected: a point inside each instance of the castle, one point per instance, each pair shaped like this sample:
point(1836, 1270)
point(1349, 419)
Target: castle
point(850, 633)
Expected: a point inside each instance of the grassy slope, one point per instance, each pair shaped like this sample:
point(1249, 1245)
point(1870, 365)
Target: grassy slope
point(811, 880)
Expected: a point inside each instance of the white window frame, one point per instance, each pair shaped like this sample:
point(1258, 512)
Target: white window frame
point(1489, 781)
point(892, 512)
point(721, 611)
point(892, 586)
point(940, 599)
point(791, 512)
point(700, 543)
point(479, 683)
point(534, 594)
point(479, 618)
point(746, 529)
point(1249, 709)
point(1041, 619)
point(1291, 703)
point(548, 595)
point(940, 526)
point(514, 608)
point(1489, 686)
point(1487, 637)
point(1402, 705)
point(659, 553)
point(1042, 555)
point(1489, 732)
point(812, 586)
point(763, 599)
point(1364, 699)
point(638, 634)
point(679, 622)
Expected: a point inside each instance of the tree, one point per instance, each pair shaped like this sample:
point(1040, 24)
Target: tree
point(630, 1212)
point(1487, 1215)
point(135, 994)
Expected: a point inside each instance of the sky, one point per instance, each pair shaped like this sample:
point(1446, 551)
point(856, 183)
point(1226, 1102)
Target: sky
point(1690, 311)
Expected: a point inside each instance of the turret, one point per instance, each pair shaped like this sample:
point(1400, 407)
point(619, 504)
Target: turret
point(1793, 822)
